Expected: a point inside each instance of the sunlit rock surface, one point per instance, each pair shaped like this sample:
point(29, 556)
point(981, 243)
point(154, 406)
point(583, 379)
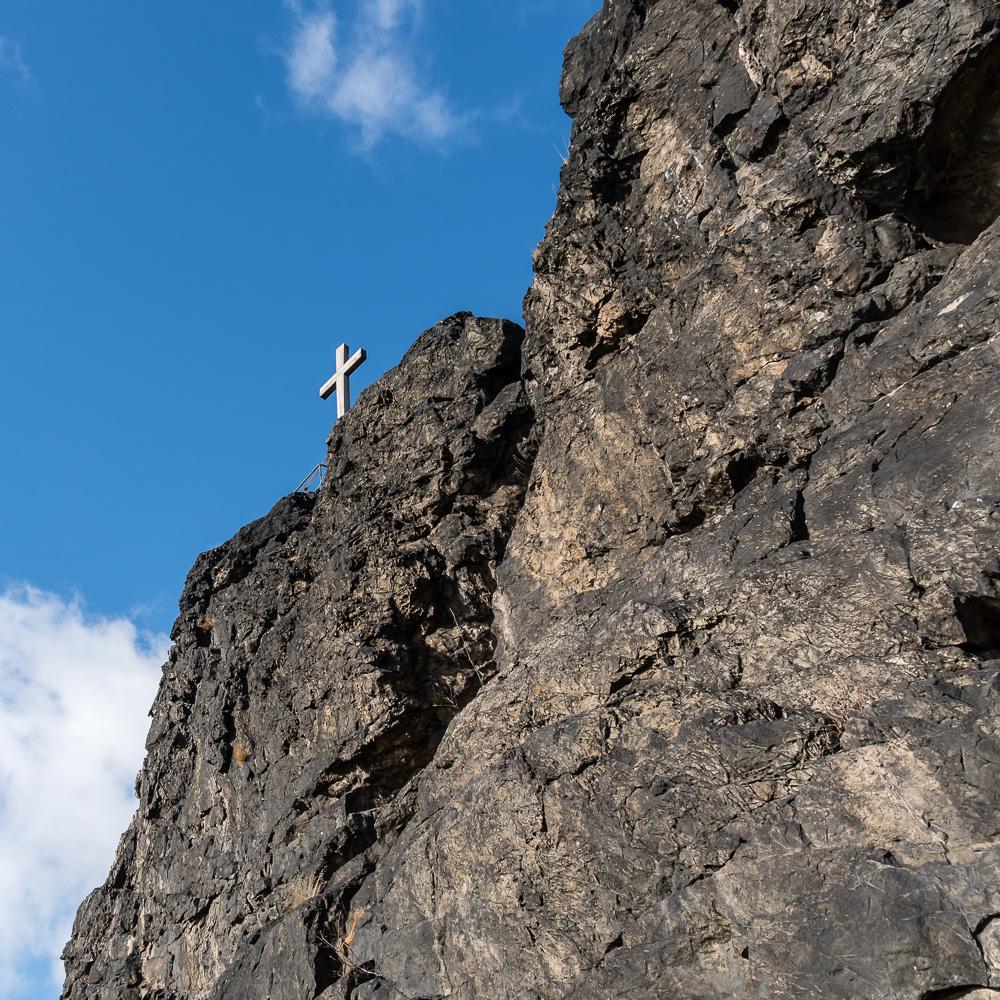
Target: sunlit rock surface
point(653, 652)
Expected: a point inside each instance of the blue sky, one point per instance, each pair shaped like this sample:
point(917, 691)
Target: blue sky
point(200, 201)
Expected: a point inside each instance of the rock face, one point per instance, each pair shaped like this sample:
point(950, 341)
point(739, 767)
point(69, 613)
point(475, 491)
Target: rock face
point(653, 652)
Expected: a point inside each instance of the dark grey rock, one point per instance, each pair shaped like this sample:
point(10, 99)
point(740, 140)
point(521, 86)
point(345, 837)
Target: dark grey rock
point(657, 653)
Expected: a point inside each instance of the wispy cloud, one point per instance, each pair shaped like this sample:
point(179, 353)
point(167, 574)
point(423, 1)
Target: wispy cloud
point(74, 694)
point(12, 62)
point(364, 73)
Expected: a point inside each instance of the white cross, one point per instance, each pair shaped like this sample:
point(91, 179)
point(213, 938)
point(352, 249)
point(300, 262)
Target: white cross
point(341, 380)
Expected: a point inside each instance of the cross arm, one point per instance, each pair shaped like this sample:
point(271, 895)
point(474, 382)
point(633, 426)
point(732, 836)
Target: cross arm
point(355, 361)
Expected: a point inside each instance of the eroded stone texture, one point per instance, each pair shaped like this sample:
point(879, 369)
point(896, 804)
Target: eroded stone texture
point(659, 655)
point(319, 657)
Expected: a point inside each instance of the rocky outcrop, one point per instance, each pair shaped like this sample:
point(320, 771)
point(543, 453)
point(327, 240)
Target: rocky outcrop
point(319, 658)
point(656, 651)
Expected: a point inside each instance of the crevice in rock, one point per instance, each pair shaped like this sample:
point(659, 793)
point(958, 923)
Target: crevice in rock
point(694, 518)
point(617, 943)
point(771, 139)
point(228, 740)
point(979, 929)
point(979, 617)
point(332, 927)
point(954, 992)
point(955, 192)
point(743, 471)
point(513, 463)
point(645, 665)
point(810, 386)
point(494, 380)
point(800, 529)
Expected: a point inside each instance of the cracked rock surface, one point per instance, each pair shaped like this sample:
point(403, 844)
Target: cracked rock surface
point(652, 650)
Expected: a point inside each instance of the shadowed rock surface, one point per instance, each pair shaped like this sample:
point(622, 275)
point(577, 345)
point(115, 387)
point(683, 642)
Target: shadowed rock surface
point(653, 652)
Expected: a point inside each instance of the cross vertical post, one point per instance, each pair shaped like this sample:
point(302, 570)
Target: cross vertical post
point(340, 382)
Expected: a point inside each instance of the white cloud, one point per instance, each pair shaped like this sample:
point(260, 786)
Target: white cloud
point(10, 59)
point(388, 14)
point(74, 695)
point(364, 73)
point(312, 61)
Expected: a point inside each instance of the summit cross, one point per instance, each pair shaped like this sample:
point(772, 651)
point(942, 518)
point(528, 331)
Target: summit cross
point(341, 380)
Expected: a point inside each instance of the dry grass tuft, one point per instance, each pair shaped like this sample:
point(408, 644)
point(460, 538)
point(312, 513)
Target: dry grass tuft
point(304, 887)
point(242, 749)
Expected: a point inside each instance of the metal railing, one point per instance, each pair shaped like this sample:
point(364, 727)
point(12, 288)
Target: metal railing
point(313, 481)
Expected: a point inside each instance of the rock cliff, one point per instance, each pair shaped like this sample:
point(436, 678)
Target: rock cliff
point(652, 650)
